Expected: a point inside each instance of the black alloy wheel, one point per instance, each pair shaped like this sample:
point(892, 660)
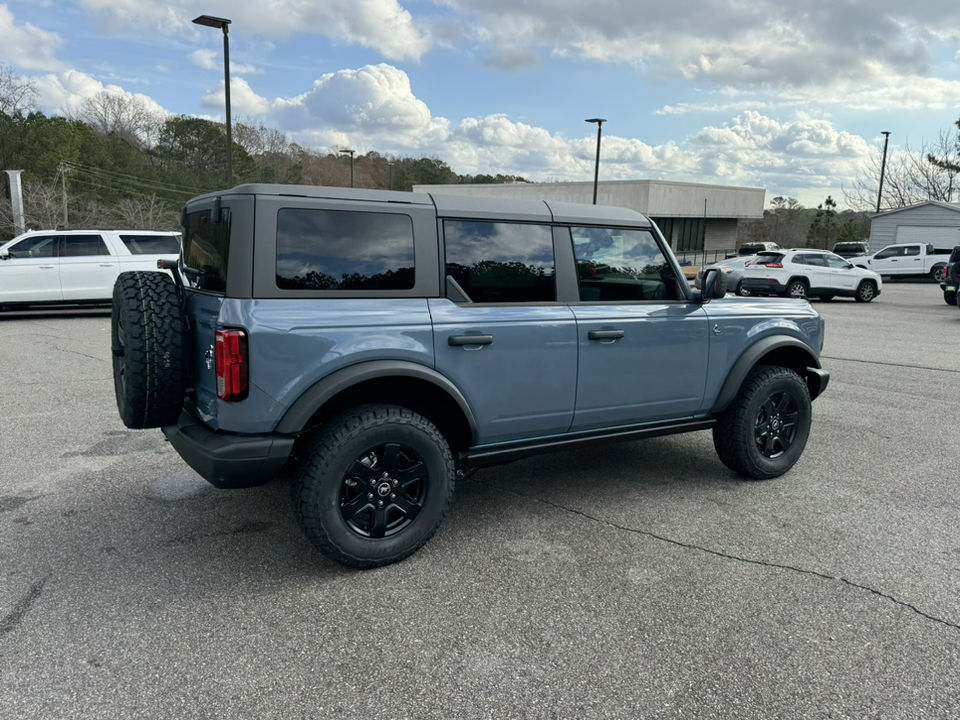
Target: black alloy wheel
point(383, 491)
point(776, 425)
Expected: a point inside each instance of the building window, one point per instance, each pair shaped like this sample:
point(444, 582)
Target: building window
point(683, 234)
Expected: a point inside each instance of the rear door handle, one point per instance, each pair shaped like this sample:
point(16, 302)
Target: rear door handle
point(605, 334)
point(456, 340)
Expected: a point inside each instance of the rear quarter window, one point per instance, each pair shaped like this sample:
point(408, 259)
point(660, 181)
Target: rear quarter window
point(206, 246)
point(344, 250)
point(151, 244)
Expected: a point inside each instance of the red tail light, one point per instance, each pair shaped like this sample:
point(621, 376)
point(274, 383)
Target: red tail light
point(232, 370)
point(773, 265)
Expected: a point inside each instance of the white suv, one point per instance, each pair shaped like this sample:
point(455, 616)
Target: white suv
point(807, 272)
point(44, 267)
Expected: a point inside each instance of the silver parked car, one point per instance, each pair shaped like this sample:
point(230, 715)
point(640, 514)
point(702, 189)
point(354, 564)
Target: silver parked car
point(733, 269)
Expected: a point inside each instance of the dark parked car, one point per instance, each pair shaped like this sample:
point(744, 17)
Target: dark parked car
point(851, 249)
point(951, 277)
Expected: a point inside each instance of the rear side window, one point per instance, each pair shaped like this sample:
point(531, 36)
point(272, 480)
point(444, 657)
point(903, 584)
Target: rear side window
point(151, 244)
point(206, 246)
point(501, 262)
point(344, 250)
point(83, 246)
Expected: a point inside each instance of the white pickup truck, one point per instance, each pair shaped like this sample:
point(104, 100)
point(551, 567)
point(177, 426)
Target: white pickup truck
point(908, 259)
point(44, 267)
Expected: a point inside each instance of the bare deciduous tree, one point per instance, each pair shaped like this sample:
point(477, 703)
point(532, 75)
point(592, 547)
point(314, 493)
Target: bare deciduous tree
point(147, 213)
point(124, 115)
point(910, 176)
point(17, 94)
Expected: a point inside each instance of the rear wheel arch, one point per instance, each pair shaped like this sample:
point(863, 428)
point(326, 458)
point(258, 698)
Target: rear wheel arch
point(401, 383)
point(779, 351)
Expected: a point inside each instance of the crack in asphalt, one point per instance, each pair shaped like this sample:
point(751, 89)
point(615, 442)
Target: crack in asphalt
point(889, 364)
point(737, 558)
point(12, 620)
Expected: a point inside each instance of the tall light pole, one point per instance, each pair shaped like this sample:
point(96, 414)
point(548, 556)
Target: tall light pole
point(883, 165)
point(223, 23)
point(390, 165)
point(351, 152)
point(596, 171)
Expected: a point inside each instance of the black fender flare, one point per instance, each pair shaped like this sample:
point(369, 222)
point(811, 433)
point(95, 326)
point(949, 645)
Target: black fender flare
point(300, 412)
point(815, 377)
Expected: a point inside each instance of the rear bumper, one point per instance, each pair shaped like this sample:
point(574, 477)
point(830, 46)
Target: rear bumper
point(763, 286)
point(226, 460)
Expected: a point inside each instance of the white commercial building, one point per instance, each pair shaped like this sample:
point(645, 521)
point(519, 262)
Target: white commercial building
point(696, 218)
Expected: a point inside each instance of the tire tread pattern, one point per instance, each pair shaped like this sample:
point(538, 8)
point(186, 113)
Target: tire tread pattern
point(150, 392)
point(732, 435)
point(329, 442)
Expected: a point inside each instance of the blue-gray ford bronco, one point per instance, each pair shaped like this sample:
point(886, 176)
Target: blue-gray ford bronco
point(378, 346)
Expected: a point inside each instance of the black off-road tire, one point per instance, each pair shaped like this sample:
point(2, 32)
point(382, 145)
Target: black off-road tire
point(953, 276)
point(866, 291)
point(950, 297)
point(797, 288)
point(374, 485)
point(763, 432)
point(147, 336)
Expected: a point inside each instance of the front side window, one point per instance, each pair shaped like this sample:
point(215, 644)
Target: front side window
point(344, 250)
point(38, 246)
point(888, 253)
point(836, 262)
point(619, 265)
point(206, 245)
point(501, 262)
point(83, 246)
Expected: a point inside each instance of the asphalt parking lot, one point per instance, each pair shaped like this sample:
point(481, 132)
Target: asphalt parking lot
point(642, 580)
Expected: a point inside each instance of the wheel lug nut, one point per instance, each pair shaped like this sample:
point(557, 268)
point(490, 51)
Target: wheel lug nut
point(380, 504)
point(369, 496)
point(395, 483)
point(393, 496)
point(386, 474)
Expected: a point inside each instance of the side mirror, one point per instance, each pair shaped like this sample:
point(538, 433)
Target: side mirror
point(4, 254)
point(713, 284)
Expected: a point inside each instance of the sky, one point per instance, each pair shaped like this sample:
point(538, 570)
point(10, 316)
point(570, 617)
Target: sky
point(790, 97)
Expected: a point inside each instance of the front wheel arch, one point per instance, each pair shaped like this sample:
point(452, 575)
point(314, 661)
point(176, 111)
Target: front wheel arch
point(784, 351)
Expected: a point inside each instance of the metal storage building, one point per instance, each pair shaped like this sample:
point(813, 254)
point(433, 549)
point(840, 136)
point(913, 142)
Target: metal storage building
point(934, 222)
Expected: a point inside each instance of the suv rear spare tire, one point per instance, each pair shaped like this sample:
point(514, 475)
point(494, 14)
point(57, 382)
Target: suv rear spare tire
point(147, 340)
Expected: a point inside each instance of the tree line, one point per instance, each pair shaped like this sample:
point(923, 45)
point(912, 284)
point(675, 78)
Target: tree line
point(116, 163)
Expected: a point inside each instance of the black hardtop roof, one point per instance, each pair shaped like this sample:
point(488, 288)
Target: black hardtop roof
point(454, 205)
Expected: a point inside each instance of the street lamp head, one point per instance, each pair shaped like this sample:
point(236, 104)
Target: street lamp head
point(884, 132)
point(347, 152)
point(599, 121)
point(211, 21)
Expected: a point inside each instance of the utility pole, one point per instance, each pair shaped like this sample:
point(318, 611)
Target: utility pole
point(16, 201)
point(63, 179)
point(883, 166)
